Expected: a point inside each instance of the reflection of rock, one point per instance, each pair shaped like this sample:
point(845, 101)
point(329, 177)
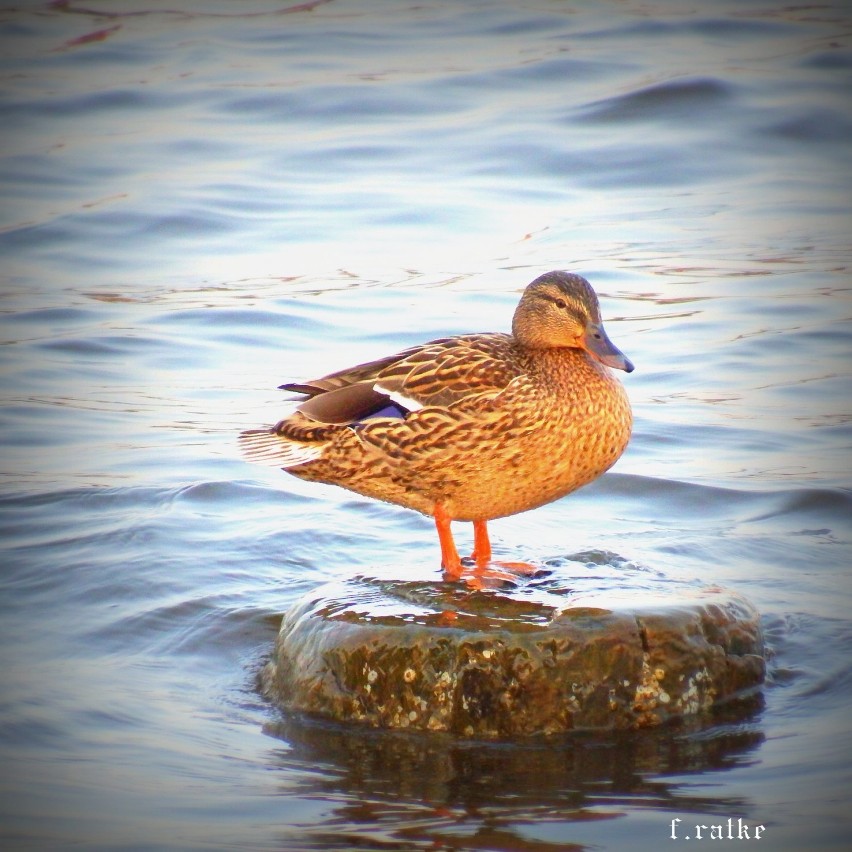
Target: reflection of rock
point(539, 658)
point(579, 776)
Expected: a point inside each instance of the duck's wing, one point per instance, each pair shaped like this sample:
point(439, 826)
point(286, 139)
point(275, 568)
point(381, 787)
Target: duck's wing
point(454, 379)
point(447, 371)
point(350, 375)
point(438, 373)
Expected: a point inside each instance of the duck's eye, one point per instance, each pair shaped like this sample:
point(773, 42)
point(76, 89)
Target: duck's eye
point(561, 304)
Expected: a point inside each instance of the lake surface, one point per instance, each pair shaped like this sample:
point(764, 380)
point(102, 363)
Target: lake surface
point(203, 200)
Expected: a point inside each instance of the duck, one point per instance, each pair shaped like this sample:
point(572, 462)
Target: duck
point(467, 428)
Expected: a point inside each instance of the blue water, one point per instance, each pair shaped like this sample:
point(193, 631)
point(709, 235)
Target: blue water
point(201, 201)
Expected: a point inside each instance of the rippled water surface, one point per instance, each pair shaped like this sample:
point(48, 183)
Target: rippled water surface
point(202, 200)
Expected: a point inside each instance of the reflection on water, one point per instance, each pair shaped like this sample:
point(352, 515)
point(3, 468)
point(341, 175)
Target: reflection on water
point(433, 789)
point(201, 202)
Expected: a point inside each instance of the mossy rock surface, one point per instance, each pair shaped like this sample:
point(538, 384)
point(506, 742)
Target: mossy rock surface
point(590, 643)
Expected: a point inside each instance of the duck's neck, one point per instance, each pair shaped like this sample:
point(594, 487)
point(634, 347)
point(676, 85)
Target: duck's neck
point(561, 366)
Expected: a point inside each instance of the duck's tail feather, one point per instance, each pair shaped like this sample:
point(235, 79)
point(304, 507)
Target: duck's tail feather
point(267, 446)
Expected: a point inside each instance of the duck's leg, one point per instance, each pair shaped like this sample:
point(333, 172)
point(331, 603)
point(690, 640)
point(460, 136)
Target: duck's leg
point(482, 556)
point(481, 543)
point(450, 560)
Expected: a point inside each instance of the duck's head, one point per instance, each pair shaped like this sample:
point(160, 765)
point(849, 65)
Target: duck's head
point(561, 310)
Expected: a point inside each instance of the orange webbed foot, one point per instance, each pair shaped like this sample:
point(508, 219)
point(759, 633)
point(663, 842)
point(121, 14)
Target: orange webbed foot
point(486, 572)
point(517, 568)
point(507, 571)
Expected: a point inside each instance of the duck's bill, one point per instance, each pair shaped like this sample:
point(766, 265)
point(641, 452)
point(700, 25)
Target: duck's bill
point(601, 347)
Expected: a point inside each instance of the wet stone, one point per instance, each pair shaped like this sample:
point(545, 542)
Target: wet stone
point(593, 642)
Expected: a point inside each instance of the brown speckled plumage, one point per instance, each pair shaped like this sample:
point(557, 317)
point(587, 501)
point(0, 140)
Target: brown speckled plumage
point(493, 424)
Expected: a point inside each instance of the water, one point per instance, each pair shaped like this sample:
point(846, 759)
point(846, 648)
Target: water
point(200, 202)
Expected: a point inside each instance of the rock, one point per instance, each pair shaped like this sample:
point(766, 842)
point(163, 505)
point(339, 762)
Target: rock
point(606, 645)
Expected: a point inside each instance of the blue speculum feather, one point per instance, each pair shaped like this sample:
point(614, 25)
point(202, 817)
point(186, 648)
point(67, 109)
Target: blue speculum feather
point(389, 410)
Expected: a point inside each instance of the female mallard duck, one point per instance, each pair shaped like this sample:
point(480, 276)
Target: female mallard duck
point(468, 428)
